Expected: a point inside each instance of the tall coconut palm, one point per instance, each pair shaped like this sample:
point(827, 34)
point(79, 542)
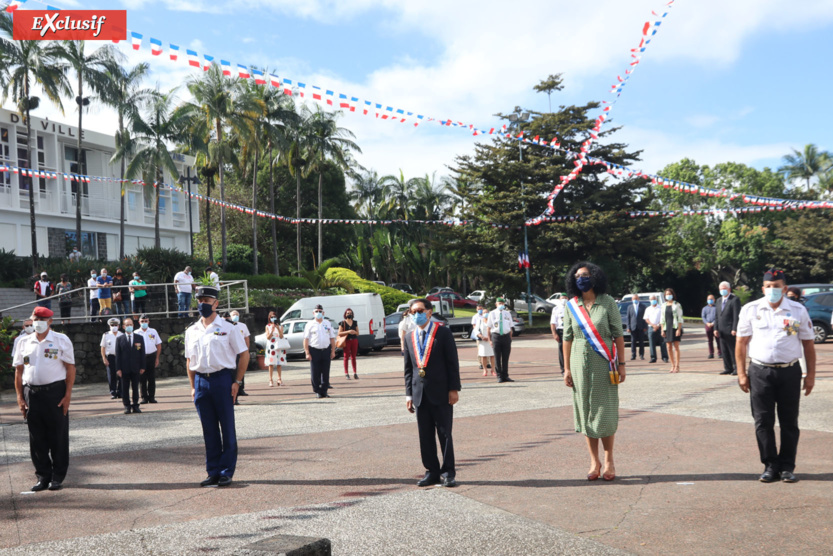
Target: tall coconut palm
point(368, 193)
point(122, 91)
point(90, 69)
point(327, 142)
point(158, 125)
point(294, 154)
point(219, 100)
point(398, 192)
point(805, 165)
point(24, 64)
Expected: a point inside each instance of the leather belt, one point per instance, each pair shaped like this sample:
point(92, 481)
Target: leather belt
point(775, 365)
point(209, 375)
point(45, 387)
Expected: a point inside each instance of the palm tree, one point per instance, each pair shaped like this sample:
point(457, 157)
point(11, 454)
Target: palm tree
point(161, 124)
point(327, 142)
point(121, 91)
point(220, 102)
point(398, 192)
point(295, 155)
point(805, 165)
point(90, 69)
point(430, 200)
point(24, 64)
point(368, 193)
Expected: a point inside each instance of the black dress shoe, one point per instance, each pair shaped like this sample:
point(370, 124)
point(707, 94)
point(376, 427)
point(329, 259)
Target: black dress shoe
point(224, 481)
point(319, 396)
point(39, 486)
point(734, 373)
point(633, 357)
point(136, 409)
point(769, 476)
point(56, 485)
point(725, 372)
point(428, 480)
point(642, 358)
point(154, 399)
point(113, 397)
point(711, 356)
point(128, 410)
point(665, 360)
point(652, 361)
point(449, 481)
point(242, 393)
point(788, 477)
point(507, 379)
point(210, 481)
point(143, 402)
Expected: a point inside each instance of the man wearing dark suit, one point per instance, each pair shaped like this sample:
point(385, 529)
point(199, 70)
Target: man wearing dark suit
point(432, 387)
point(637, 327)
point(130, 362)
point(726, 326)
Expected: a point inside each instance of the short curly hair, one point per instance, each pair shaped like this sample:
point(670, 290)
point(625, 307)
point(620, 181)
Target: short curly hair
point(596, 273)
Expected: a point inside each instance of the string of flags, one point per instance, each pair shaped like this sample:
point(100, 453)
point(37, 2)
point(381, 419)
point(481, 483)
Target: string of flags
point(714, 211)
point(523, 259)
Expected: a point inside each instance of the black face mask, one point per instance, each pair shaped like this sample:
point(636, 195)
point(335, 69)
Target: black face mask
point(205, 310)
point(348, 316)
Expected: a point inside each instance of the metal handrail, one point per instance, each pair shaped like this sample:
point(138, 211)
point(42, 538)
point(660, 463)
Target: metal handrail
point(227, 284)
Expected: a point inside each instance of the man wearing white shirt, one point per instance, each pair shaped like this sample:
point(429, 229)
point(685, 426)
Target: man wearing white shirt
point(108, 357)
point(653, 316)
point(557, 328)
point(244, 331)
point(27, 329)
point(320, 348)
point(213, 276)
point(92, 284)
point(183, 282)
point(152, 351)
point(500, 336)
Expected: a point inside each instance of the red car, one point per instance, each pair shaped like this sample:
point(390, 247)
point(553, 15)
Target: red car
point(458, 300)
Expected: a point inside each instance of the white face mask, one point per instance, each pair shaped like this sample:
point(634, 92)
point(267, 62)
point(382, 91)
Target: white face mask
point(41, 326)
point(114, 329)
point(29, 329)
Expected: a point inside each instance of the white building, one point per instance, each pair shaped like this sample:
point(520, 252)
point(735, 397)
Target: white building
point(55, 150)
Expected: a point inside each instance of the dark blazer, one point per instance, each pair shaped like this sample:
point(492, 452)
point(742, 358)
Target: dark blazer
point(130, 358)
point(727, 318)
point(636, 317)
point(442, 374)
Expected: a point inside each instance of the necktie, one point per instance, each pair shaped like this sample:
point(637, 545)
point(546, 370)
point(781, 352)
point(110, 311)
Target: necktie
point(130, 338)
point(501, 322)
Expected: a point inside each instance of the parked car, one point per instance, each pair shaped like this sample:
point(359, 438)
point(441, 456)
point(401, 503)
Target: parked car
point(557, 296)
point(293, 330)
point(539, 304)
point(392, 326)
point(477, 295)
point(458, 300)
point(438, 289)
point(820, 307)
point(518, 326)
point(623, 310)
point(404, 288)
point(380, 282)
point(807, 289)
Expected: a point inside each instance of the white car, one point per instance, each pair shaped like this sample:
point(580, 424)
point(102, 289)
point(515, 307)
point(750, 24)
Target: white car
point(556, 296)
point(477, 295)
point(293, 330)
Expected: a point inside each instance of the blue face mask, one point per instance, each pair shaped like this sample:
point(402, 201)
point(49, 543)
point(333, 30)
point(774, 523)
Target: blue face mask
point(724, 293)
point(669, 297)
point(711, 302)
point(205, 310)
point(274, 319)
point(235, 318)
point(653, 302)
point(420, 318)
point(93, 276)
point(319, 316)
point(636, 302)
point(773, 295)
point(144, 326)
point(584, 283)
point(128, 329)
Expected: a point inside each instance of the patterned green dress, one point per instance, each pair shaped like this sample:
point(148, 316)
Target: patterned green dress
point(595, 399)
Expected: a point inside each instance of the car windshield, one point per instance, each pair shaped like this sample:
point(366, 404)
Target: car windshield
point(299, 327)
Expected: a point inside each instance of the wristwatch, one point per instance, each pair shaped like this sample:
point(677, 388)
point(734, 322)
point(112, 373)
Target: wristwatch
point(239, 382)
point(622, 363)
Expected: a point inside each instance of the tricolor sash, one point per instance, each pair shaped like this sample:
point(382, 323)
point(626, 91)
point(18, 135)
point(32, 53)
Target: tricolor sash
point(423, 350)
point(594, 338)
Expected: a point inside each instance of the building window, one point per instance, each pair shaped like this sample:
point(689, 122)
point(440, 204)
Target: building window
point(71, 165)
point(88, 243)
point(5, 178)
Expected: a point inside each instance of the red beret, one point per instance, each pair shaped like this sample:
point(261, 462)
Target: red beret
point(43, 313)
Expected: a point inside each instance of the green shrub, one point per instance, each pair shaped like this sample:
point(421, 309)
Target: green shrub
point(161, 265)
point(7, 335)
point(391, 298)
point(239, 258)
point(14, 270)
point(268, 281)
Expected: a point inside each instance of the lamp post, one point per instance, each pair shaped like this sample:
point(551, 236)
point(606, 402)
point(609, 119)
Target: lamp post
point(188, 179)
point(517, 118)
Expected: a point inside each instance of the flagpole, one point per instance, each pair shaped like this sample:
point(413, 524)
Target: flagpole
point(526, 244)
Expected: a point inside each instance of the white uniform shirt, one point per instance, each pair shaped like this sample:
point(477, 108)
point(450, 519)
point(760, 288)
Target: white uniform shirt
point(19, 338)
point(151, 337)
point(319, 334)
point(776, 333)
point(183, 281)
point(43, 362)
point(653, 315)
point(93, 283)
point(213, 348)
point(242, 329)
point(215, 279)
point(557, 317)
point(108, 342)
point(405, 326)
point(495, 317)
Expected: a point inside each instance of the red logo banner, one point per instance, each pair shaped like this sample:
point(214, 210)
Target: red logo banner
point(72, 25)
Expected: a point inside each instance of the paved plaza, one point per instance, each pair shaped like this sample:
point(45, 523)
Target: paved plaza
point(345, 468)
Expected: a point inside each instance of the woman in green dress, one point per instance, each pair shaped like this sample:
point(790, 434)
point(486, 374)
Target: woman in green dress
point(595, 399)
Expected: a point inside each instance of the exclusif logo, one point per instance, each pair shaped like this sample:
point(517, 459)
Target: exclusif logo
point(72, 25)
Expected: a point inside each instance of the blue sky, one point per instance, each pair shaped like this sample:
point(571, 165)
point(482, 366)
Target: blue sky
point(743, 81)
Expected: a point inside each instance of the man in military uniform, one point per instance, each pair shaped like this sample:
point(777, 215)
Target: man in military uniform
point(211, 348)
point(772, 331)
point(44, 374)
point(320, 348)
point(241, 327)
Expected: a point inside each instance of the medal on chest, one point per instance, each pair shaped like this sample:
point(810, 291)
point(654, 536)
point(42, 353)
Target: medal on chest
point(422, 350)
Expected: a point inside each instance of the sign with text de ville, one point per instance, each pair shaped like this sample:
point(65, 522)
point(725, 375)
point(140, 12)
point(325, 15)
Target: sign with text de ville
point(72, 25)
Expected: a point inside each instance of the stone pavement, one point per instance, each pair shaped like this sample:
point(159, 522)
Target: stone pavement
point(345, 467)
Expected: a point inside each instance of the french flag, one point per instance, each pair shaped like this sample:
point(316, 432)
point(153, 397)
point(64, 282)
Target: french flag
point(330, 97)
point(302, 88)
point(193, 58)
point(15, 4)
point(155, 47)
point(137, 40)
point(274, 80)
point(226, 65)
point(174, 52)
point(316, 92)
point(208, 61)
point(259, 79)
point(243, 71)
point(287, 87)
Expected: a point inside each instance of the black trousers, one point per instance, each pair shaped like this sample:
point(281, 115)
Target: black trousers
point(654, 340)
point(148, 380)
point(559, 332)
point(320, 369)
point(502, 344)
point(113, 380)
point(727, 349)
point(436, 419)
point(48, 431)
point(776, 390)
point(637, 341)
point(130, 379)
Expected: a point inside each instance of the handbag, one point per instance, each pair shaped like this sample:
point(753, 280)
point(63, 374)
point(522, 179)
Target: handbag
point(282, 344)
point(341, 341)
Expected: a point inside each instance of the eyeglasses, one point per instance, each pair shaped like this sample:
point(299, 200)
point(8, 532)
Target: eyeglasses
point(583, 275)
point(417, 310)
point(317, 312)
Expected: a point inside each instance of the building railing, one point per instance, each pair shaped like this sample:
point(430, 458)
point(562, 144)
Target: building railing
point(234, 296)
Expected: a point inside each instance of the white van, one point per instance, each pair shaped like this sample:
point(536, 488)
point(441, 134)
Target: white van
point(368, 312)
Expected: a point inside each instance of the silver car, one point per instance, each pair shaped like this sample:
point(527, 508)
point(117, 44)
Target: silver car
point(539, 304)
point(293, 330)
